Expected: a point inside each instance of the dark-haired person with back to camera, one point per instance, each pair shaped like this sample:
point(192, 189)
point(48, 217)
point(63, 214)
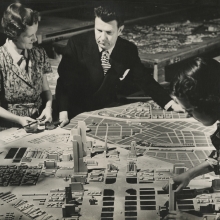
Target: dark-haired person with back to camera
point(197, 90)
point(23, 83)
point(97, 66)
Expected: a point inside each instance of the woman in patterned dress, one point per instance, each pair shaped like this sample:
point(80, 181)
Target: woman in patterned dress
point(23, 68)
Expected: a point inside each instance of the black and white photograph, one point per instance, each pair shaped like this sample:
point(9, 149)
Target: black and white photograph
point(110, 110)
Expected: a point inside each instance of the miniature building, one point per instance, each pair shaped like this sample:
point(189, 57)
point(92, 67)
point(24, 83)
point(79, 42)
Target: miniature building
point(70, 210)
point(66, 157)
point(113, 154)
point(106, 145)
point(216, 184)
point(68, 196)
point(76, 187)
point(96, 176)
point(211, 217)
point(79, 178)
point(179, 168)
point(89, 146)
point(162, 174)
point(131, 174)
point(89, 153)
point(133, 152)
point(112, 168)
point(81, 131)
point(133, 148)
point(53, 156)
point(210, 208)
point(80, 168)
point(93, 201)
point(162, 211)
point(50, 164)
point(146, 176)
point(91, 163)
point(79, 165)
point(172, 197)
point(131, 167)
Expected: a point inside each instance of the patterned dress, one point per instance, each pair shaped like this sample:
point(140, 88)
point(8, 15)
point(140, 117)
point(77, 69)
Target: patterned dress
point(20, 89)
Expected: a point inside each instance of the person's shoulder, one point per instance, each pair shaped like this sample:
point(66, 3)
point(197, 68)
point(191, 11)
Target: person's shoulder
point(80, 42)
point(37, 52)
point(2, 49)
point(128, 48)
point(3, 52)
point(37, 49)
point(81, 38)
point(125, 43)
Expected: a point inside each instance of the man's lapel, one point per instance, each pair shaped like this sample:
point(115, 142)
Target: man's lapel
point(93, 59)
point(117, 53)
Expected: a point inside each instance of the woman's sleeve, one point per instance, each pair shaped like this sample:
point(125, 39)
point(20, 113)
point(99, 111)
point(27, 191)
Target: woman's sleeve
point(0, 80)
point(1, 84)
point(212, 160)
point(46, 64)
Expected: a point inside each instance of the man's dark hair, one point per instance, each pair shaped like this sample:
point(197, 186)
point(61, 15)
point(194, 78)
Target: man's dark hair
point(15, 19)
point(109, 12)
point(199, 82)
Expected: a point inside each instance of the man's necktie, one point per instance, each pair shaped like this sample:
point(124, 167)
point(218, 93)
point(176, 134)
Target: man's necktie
point(105, 61)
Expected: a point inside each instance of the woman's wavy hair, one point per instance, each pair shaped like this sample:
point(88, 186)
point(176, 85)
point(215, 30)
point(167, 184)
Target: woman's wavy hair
point(199, 82)
point(15, 19)
point(109, 12)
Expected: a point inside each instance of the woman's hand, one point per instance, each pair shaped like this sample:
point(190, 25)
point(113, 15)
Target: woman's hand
point(178, 215)
point(46, 114)
point(25, 121)
point(181, 180)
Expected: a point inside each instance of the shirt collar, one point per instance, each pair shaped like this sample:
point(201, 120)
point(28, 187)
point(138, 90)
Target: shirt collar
point(109, 50)
point(11, 48)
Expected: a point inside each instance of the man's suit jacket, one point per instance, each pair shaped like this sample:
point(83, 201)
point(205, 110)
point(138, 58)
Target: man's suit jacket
point(82, 86)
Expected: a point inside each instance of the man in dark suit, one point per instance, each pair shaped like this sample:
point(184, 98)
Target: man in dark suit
point(90, 77)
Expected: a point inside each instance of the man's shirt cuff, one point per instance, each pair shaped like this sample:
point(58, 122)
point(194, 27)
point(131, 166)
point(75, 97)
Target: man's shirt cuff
point(169, 104)
point(63, 115)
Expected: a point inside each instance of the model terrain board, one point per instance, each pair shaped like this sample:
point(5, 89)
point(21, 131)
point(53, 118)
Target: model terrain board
point(169, 37)
point(114, 171)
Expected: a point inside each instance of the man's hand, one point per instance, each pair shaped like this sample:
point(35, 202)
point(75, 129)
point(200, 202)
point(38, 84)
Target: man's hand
point(63, 118)
point(177, 108)
point(181, 180)
point(178, 215)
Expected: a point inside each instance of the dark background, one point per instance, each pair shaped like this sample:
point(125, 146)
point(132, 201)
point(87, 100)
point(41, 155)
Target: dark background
point(131, 8)
point(44, 5)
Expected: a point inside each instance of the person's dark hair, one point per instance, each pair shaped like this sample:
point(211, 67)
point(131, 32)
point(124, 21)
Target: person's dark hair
point(109, 12)
point(15, 19)
point(199, 82)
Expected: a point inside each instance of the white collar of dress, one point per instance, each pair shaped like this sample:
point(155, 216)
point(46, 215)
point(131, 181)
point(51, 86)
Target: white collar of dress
point(11, 48)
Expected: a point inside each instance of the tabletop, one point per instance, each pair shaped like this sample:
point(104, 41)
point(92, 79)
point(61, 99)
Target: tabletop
point(131, 152)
